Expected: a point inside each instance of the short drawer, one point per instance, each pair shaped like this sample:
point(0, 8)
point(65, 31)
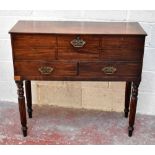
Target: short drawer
point(131, 42)
point(30, 68)
point(116, 69)
point(78, 47)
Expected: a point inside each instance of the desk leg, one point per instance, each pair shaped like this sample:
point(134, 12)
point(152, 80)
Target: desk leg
point(133, 105)
point(22, 110)
point(127, 98)
point(28, 97)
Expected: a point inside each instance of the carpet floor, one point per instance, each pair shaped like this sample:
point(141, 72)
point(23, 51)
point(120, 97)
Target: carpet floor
point(55, 125)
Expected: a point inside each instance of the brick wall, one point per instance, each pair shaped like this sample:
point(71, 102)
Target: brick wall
point(95, 95)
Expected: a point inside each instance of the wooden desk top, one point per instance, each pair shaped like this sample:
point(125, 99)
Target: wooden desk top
point(76, 27)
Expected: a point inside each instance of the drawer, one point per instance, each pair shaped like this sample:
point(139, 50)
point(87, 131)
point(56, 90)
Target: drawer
point(122, 54)
point(78, 47)
point(34, 47)
point(116, 69)
point(57, 68)
point(132, 42)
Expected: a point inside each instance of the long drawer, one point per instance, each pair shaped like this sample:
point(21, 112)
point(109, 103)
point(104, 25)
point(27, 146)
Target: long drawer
point(77, 47)
point(98, 69)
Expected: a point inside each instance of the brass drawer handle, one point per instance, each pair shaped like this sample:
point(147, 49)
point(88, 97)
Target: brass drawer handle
point(46, 70)
point(78, 43)
point(109, 70)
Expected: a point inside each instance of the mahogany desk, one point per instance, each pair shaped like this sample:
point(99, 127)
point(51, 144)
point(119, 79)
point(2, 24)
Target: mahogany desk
point(77, 51)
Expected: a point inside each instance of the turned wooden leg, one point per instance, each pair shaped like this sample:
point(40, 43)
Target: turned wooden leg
point(127, 98)
point(22, 110)
point(133, 105)
point(28, 97)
